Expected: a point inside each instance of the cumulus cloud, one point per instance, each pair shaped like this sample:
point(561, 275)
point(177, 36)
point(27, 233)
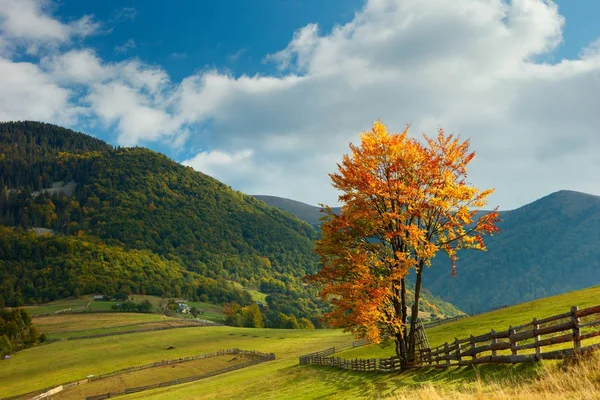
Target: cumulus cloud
point(28, 23)
point(469, 66)
point(26, 92)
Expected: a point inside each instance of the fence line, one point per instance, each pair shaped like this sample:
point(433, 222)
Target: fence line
point(260, 358)
point(256, 355)
point(531, 338)
point(439, 322)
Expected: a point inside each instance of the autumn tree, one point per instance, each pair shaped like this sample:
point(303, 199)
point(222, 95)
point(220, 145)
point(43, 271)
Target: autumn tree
point(403, 201)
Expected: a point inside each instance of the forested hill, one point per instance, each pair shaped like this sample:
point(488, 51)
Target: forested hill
point(548, 247)
point(134, 198)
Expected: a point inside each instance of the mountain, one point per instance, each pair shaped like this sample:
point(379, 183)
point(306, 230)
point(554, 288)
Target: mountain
point(140, 205)
point(305, 212)
point(548, 247)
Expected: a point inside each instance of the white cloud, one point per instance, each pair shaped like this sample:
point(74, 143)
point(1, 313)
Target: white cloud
point(466, 65)
point(28, 23)
point(125, 47)
point(237, 55)
point(27, 93)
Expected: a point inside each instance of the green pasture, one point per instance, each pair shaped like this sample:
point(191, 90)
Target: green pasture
point(497, 320)
point(257, 296)
point(65, 361)
point(150, 376)
point(283, 378)
point(73, 305)
point(87, 324)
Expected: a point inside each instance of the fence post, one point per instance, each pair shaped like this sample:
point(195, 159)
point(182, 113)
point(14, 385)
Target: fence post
point(494, 341)
point(447, 353)
point(576, 330)
point(536, 339)
point(457, 344)
point(472, 351)
point(513, 344)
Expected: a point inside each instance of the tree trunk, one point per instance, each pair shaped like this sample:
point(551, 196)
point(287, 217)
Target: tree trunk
point(415, 313)
point(402, 350)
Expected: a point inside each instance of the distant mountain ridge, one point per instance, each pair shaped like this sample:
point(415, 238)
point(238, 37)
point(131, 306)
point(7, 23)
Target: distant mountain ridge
point(547, 247)
point(305, 212)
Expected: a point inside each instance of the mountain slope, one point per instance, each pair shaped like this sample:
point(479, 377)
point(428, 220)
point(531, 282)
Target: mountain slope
point(136, 199)
point(548, 247)
point(305, 212)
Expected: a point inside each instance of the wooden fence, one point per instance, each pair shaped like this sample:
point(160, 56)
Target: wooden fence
point(439, 322)
point(523, 343)
point(249, 353)
point(258, 358)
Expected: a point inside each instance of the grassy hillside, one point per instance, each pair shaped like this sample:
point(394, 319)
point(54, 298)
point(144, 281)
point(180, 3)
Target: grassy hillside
point(285, 379)
point(548, 247)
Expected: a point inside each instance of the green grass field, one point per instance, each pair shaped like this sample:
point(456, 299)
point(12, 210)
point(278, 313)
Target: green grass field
point(498, 320)
point(64, 325)
point(61, 305)
point(66, 361)
point(283, 378)
point(151, 376)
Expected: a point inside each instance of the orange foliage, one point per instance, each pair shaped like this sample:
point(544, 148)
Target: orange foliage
point(402, 202)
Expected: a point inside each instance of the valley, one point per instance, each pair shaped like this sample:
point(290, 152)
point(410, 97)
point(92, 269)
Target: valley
point(283, 378)
point(151, 235)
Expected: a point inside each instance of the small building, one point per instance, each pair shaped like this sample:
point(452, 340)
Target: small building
point(183, 308)
point(99, 297)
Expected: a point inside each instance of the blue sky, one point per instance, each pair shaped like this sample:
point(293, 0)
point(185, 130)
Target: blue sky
point(266, 94)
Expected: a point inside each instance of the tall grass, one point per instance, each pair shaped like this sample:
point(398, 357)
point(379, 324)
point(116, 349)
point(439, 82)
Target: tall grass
point(573, 379)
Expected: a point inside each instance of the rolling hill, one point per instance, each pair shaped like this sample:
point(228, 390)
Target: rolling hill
point(548, 247)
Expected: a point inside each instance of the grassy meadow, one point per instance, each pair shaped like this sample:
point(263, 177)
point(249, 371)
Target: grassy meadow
point(64, 361)
point(151, 376)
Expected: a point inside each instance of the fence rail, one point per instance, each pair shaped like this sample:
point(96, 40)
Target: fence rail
point(258, 358)
point(523, 343)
